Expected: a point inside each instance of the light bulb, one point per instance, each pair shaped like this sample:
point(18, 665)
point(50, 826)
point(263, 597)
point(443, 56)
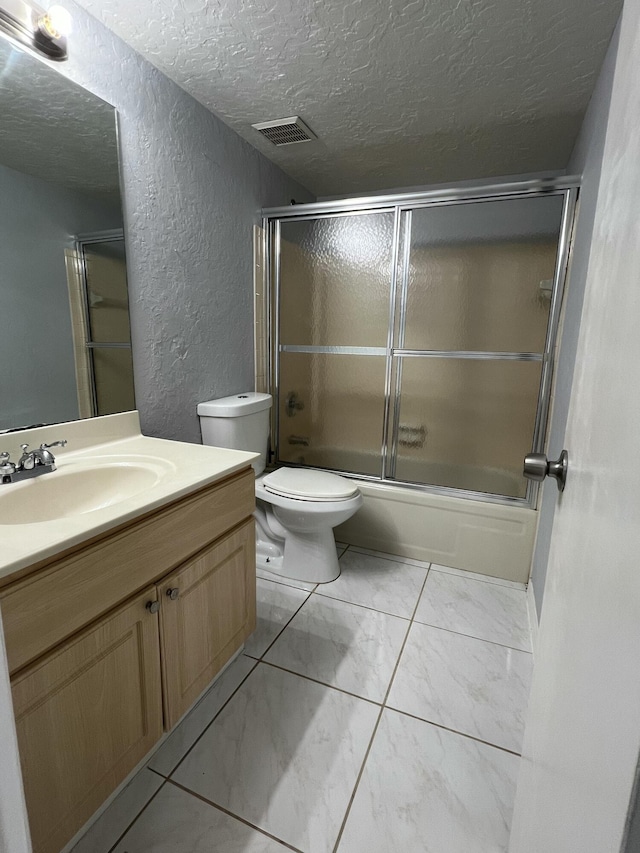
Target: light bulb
point(56, 23)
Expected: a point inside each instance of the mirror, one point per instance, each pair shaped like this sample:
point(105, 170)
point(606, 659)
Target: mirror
point(65, 346)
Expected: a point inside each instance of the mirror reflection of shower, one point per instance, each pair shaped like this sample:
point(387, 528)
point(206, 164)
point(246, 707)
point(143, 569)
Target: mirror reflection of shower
point(99, 302)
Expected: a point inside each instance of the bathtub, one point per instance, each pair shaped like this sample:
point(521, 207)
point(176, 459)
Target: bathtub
point(474, 535)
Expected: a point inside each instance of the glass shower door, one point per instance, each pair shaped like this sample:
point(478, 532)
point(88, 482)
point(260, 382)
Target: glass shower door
point(475, 306)
point(336, 276)
point(414, 342)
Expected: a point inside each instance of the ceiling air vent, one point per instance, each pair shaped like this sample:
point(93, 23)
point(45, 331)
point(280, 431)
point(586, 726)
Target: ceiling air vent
point(285, 131)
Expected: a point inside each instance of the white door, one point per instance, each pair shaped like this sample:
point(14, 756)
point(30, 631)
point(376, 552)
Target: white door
point(583, 733)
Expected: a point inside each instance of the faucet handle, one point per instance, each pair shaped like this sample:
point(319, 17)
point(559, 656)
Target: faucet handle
point(62, 443)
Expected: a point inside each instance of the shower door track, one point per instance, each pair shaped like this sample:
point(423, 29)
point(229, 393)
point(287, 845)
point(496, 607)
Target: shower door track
point(402, 206)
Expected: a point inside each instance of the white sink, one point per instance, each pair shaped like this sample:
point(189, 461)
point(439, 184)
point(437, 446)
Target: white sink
point(80, 487)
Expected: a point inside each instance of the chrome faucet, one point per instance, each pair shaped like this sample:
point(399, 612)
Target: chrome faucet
point(32, 463)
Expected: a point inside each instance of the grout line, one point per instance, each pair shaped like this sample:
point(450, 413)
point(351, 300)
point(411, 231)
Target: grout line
point(395, 558)
point(289, 582)
point(375, 728)
point(144, 808)
point(322, 683)
point(473, 637)
point(453, 731)
point(157, 772)
point(516, 586)
point(411, 620)
point(363, 606)
point(234, 816)
point(210, 723)
point(366, 606)
point(284, 627)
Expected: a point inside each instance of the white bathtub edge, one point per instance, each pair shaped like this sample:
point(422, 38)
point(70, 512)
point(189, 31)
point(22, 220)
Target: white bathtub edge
point(490, 539)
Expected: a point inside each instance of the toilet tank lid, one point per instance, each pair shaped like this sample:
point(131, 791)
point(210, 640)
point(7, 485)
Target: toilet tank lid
point(236, 405)
point(305, 483)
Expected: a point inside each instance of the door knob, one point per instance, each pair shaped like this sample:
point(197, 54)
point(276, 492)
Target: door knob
point(173, 593)
point(537, 467)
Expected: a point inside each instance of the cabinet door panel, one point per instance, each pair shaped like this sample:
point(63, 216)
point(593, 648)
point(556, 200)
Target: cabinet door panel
point(86, 714)
point(212, 616)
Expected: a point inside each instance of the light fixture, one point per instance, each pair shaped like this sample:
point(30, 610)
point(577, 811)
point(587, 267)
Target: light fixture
point(44, 31)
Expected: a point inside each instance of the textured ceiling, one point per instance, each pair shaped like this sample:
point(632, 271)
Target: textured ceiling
point(400, 92)
point(53, 129)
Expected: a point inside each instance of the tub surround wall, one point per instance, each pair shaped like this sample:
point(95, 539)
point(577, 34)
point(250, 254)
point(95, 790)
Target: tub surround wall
point(192, 190)
point(587, 161)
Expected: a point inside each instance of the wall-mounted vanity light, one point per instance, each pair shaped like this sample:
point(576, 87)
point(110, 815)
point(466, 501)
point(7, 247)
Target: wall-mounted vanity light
point(44, 31)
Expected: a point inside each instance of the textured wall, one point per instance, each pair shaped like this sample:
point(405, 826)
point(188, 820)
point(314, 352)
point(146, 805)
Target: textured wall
point(587, 161)
point(192, 191)
point(37, 221)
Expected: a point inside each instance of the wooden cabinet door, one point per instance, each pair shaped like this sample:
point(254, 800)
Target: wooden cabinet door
point(86, 715)
point(211, 613)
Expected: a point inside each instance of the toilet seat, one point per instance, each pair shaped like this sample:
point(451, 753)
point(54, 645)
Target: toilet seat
point(307, 485)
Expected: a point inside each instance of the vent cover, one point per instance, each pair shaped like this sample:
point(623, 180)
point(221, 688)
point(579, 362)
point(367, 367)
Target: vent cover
point(285, 131)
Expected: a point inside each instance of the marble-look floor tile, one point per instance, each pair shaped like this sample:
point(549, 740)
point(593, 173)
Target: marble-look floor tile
point(108, 828)
point(484, 610)
point(384, 585)
point(343, 645)
point(341, 547)
point(475, 687)
point(272, 576)
point(187, 733)
point(478, 576)
point(178, 822)
point(427, 790)
point(284, 754)
point(276, 604)
point(396, 557)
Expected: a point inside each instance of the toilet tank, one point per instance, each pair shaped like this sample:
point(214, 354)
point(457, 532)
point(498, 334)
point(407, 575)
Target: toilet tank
point(240, 422)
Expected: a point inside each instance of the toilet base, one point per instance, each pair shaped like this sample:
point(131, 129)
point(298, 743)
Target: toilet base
point(310, 557)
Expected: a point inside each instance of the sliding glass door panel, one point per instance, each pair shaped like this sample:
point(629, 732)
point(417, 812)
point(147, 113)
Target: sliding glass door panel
point(480, 275)
point(331, 411)
point(335, 280)
point(467, 423)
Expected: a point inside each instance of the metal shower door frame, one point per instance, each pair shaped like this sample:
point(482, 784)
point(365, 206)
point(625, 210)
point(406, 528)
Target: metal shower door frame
point(402, 206)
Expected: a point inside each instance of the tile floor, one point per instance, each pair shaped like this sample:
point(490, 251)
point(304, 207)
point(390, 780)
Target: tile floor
point(379, 713)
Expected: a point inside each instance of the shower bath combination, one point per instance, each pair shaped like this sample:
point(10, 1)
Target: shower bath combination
point(410, 338)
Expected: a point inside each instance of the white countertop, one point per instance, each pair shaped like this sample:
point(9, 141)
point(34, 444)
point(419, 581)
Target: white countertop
point(184, 469)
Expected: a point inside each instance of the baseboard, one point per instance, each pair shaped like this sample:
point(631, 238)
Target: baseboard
point(532, 610)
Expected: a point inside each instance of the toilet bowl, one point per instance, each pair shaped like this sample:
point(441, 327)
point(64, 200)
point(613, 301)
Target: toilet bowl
point(296, 508)
point(296, 512)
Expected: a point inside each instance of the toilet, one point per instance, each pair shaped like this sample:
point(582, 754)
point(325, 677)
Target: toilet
point(296, 508)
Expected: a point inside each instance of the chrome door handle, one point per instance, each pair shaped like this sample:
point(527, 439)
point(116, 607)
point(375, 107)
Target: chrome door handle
point(537, 467)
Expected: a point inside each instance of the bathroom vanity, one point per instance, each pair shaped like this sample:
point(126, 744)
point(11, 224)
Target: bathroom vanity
point(118, 616)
